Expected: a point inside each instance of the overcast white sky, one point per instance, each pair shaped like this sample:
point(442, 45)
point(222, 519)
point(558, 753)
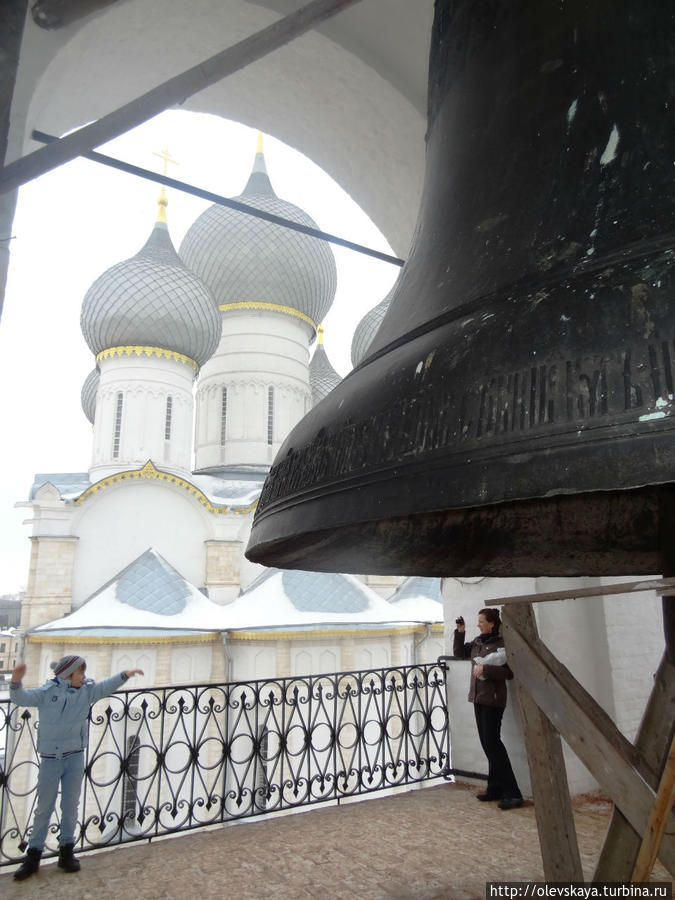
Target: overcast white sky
point(74, 223)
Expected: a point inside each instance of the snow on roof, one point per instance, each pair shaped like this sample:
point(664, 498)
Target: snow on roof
point(276, 600)
point(229, 491)
point(419, 595)
point(418, 586)
point(68, 484)
point(234, 492)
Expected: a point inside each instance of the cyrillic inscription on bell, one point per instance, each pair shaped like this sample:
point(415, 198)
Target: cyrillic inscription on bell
point(527, 356)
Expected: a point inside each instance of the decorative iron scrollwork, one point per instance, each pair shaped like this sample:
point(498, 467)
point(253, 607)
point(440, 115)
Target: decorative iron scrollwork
point(170, 759)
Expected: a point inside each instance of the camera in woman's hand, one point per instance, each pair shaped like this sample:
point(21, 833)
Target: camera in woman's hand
point(459, 620)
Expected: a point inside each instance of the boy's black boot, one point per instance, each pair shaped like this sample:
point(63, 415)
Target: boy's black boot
point(30, 865)
point(67, 861)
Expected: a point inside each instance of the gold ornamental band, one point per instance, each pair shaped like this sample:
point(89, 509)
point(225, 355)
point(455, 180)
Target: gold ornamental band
point(159, 352)
point(149, 471)
point(273, 307)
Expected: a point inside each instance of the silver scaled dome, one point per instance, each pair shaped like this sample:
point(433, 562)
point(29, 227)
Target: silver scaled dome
point(367, 329)
point(244, 259)
point(152, 300)
point(88, 395)
point(322, 376)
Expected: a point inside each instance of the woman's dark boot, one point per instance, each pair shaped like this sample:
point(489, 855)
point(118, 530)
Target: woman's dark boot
point(67, 861)
point(30, 865)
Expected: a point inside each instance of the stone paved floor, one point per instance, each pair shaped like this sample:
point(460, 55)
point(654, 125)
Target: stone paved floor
point(432, 844)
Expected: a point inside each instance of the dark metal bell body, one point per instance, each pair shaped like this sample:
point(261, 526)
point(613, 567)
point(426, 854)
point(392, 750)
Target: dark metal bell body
point(514, 415)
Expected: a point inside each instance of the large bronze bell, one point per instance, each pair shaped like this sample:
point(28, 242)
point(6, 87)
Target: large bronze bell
point(515, 412)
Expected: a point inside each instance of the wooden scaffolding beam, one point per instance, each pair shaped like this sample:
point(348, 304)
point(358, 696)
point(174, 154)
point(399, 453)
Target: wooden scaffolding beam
point(640, 778)
point(622, 842)
point(656, 827)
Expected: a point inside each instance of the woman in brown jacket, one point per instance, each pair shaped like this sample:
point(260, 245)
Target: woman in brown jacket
point(487, 692)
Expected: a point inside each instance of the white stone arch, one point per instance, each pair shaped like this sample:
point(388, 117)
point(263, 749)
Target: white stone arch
point(363, 123)
point(302, 663)
point(118, 524)
point(328, 661)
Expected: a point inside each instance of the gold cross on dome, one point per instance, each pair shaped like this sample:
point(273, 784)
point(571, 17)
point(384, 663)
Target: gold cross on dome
point(165, 156)
point(162, 201)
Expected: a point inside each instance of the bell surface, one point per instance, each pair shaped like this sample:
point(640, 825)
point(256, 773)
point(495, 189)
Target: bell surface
point(514, 412)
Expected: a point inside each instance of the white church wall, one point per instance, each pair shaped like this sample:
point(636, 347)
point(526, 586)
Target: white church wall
point(431, 649)
point(258, 350)
point(635, 640)
point(253, 661)
point(372, 653)
point(134, 657)
point(248, 571)
point(308, 658)
point(222, 570)
point(121, 522)
point(144, 384)
point(574, 630)
point(50, 514)
point(191, 664)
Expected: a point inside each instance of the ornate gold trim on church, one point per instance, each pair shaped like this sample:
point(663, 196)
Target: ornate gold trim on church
point(273, 307)
point(149, 471)
point(58, 637)
point(159, 352)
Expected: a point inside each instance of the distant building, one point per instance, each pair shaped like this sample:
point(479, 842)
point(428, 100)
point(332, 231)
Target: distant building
point(9, 649)
point(10, 610)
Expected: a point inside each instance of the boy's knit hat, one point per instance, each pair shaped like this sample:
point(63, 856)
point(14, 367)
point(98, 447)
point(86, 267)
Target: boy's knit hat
point(67, 665)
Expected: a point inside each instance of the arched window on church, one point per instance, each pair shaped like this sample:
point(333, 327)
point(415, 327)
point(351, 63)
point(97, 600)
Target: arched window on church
point(167, 420)
point(223, 417)
point(270, 415)
point(118, 426)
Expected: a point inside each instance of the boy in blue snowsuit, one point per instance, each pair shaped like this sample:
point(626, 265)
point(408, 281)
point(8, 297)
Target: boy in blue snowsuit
point(63, 729)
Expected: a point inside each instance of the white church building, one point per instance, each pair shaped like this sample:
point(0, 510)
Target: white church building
point(139, 562)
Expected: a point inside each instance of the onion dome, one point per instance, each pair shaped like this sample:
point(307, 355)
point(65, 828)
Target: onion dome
point(250, 263)
point(88, 395)
point(152, 300)
point(367, 329)
point(322, 376)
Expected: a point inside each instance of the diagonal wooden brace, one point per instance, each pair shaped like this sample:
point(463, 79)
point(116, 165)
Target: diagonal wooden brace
point(656, 827)
point(653, 739)
point(557, 834)
point(585, 726)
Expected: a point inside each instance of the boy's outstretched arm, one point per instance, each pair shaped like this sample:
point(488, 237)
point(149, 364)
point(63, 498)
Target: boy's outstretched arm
point(18, 673)
point(104, 688)
point(18, 694)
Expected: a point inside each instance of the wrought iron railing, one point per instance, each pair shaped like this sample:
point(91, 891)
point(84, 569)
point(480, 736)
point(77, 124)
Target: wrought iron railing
point(169, 759)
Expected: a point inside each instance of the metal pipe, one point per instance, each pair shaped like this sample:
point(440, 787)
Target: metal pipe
point(175, 90)
point(224, 201)
point(228, 656)
point(419, 643)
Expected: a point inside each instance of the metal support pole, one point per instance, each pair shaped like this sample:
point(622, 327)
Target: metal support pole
point(175, 90)
point(244, 208)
